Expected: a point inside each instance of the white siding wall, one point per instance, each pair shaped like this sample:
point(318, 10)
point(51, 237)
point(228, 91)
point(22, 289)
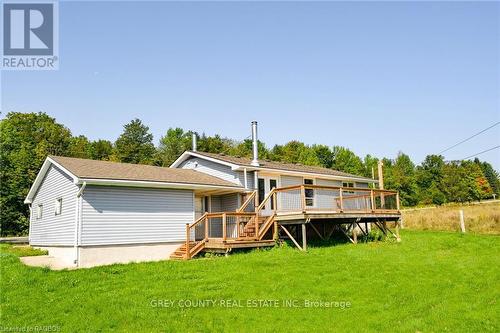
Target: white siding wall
point(125, 215)
point(218, 170)
point(54, 229)
point(290, 200)
point(325, 199)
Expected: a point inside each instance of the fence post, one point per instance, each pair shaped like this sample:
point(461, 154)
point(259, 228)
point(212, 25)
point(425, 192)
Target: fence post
point(462, 222)
point(188, 252)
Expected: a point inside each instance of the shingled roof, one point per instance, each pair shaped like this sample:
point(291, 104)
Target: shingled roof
point(92, 169)
point(246, 162)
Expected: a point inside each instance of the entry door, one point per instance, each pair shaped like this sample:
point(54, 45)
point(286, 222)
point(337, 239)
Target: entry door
point(266, 184)
point(199, 210)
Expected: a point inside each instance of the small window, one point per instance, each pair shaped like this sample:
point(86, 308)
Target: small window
point(261, 190)
point(272, 184)
point(309, 193)
point(58, 208)
point(39, 211)
point(348, 184)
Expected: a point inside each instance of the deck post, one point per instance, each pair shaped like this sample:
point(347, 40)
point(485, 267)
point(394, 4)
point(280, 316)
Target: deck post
point(206, 228)
point(304, 237)
point(224, 231)
point(303, 197)
point(354, 233)
point(275, 231)
point(397, 201)
point(372, 198)
point(341, 199)
point(187, 241)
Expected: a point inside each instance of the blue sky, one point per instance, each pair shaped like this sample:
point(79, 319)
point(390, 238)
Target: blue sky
point(376, 77)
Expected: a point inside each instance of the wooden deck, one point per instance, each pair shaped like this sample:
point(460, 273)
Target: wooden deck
point(345, 208)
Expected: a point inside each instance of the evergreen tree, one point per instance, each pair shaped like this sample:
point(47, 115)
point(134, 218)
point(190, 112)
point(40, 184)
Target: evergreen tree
point(172, 145)
point(135, 144)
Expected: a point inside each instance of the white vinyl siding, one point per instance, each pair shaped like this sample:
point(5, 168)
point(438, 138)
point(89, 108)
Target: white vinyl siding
point(125, 215)
point(218, 170)
point(326, 198)
point(290, 200)
point(49, 228)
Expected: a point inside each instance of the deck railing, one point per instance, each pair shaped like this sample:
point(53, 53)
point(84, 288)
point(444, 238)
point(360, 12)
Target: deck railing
point(314, 198)
point(242, 224)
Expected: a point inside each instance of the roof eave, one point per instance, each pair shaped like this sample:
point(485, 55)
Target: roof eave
point(157, 184)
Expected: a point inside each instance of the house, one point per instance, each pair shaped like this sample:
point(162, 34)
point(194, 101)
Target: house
point(88, 213)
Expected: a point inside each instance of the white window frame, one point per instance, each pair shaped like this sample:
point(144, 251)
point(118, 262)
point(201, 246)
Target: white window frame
point(58, 206)
point(313, 198)
point(346, 184)
point(39, 211)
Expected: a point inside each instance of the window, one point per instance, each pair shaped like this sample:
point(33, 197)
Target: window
point(261, 190)
point(58, 207)
point(39, 211)
point(348, 184)
point(309, 193)
point(272, 184)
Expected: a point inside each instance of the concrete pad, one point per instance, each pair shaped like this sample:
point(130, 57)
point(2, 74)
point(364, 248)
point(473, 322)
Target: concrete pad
point(46, 261)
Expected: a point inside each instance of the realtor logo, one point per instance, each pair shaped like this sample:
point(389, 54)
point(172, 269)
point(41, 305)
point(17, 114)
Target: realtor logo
point(30, 36)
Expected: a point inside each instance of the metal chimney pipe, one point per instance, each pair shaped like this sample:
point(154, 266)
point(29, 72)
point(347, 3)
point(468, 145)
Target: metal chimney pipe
point(194, 141)
point(255, 160)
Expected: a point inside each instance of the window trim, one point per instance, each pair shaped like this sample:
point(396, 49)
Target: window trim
point(346, 184)
point(311, 199)
point(58, 206)
point(39, 211)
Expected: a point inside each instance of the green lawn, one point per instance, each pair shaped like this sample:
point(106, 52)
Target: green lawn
point(430, 282)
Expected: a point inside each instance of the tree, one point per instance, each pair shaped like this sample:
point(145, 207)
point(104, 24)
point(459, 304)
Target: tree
point(295, 152)
point(370, 164)
point(400, 176)
point(25, 141)
point(324, 154)
point(345, 160)
point(491, 175)
point(135, 144)
point(245, 149)
point(80, 147)
point(429, 176)
point(172, 145)
point(215, 144)
point(101, 150)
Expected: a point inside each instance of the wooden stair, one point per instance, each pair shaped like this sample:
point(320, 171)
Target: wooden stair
point(180, 252)
point(249, 228)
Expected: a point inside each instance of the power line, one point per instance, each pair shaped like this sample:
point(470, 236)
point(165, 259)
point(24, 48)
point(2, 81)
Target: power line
point(495, 124)
point(484, 151)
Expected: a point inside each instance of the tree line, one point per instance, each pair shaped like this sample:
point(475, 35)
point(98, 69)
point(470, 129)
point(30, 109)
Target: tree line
point(26, 139)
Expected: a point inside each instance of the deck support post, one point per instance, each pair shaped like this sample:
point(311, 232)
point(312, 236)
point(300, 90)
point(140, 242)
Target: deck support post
point(304, 237)
point(354, 233)
point(275, 231)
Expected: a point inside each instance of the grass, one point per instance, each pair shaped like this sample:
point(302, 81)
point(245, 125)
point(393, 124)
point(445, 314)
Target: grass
point(431, 281)
point(24, 251)
point(478, 218)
